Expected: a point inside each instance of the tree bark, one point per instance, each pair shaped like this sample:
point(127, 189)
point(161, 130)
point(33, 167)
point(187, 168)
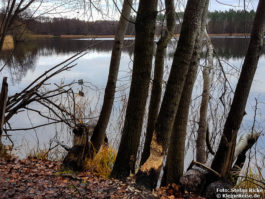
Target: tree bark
point(75, 159)
point(176, 152)
point(143, 55)
point(149, 172)
point(3, 101)
point(201, 137)
point(100, 129)
point(158, 76)
point(224, 156)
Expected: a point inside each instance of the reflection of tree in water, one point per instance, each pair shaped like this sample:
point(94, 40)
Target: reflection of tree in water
point(24, 56)
point(230, 47)
point(64, 46)
point(20, 60)
point(226, 48)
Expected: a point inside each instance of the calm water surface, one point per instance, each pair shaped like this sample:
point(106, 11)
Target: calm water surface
point(31, 59)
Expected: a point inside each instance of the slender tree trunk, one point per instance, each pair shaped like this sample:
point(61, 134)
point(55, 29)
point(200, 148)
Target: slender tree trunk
point(224, 156)
point(143, 55)
point(149, 172)
point(100, 129)
point(3, 101)
point(158, 76)
point(176, 152)
point(201, 139)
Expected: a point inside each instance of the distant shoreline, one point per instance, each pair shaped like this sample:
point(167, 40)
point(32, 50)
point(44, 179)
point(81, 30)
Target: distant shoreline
point(130, 36)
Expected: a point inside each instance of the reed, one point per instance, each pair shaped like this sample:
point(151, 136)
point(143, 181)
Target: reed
point(8, 43)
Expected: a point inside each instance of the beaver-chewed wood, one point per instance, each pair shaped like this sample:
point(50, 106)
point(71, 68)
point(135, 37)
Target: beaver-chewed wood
point(76, 156)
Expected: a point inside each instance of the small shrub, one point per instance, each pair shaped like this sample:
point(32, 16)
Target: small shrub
point(6, 153)
point(41, 154)
point(252, 182)
point(103, 162)
point(8, 43)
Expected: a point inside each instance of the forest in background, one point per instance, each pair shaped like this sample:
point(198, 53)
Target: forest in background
point(219, 22)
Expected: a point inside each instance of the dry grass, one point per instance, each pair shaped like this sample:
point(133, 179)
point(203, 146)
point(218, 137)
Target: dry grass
point(8, 43)
point(254, 183)
point(103, 162)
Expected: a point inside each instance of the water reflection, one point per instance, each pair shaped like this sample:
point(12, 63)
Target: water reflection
point(228, 48)
point(23, 58)
point(25, 55)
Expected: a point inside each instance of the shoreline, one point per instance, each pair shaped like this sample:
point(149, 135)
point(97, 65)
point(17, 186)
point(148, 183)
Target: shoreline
point(129, 36)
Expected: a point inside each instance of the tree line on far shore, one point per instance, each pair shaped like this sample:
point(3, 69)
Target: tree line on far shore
point(219, 22)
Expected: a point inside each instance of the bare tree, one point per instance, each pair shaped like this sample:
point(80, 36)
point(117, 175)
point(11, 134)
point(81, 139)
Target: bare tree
point(11, 11)
point(99, 131)
point(166, 36)
point(143, 55)
point(149, 172)
point(176, 152)
point(201, 137)
point(224, 156)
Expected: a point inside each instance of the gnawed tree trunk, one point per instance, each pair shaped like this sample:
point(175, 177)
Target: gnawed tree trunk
point(224, 156)
point(3, 101)
point(176, 152)
point(245, 143)
point(201, 139)
point(197, 177)
point(100, 129)
point(76, 156)
point(143, 55)
point(158, 76)
point(150, 170)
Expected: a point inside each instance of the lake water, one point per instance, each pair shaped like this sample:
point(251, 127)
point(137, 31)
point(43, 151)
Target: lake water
point(31, 59)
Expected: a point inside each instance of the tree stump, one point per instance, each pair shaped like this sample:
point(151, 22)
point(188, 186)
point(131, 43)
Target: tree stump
point(76, 156)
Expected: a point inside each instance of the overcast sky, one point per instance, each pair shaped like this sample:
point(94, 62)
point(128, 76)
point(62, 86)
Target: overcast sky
point(77, 11)
point(232, 4)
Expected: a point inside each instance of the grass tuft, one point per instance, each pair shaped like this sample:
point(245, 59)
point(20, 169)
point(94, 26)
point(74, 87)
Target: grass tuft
point(103, 162)
point(8, 43)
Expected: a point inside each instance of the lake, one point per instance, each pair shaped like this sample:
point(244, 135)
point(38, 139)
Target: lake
point(31, 59)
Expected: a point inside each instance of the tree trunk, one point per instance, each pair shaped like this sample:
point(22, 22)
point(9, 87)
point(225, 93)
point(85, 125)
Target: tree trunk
point(100, 129)
point(224, 156)
point(176, 152)
point(201, 139)
point(149, 172)
point(143, 55)
point(13, 9)
point(3, 101)
point(76, 156)
point(158, 76)
point(245, 142)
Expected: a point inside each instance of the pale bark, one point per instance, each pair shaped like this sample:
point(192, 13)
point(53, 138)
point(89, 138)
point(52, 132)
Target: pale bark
point(201, 137)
